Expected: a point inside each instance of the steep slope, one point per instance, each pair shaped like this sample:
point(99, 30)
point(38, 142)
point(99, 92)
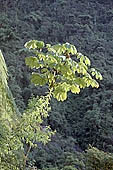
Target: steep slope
point(89, 26)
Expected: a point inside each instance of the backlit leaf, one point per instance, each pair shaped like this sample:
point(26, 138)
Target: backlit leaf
point(87, 61)
point(32, 62)
point(38, 79)
point(75, 89)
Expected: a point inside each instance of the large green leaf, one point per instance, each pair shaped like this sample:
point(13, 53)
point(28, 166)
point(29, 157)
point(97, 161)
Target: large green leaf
point(32, 62)
point(75, 89)
point(87, 61)
point(38, 79)
point(60, 91)
point(40, 44)
point(33, 44)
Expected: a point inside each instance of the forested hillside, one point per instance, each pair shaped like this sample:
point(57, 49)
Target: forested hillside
point(82, 119)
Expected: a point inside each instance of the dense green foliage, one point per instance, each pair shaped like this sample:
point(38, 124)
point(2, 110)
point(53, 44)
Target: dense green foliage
point(96, 159)
point(19, 133)
point(82, 119)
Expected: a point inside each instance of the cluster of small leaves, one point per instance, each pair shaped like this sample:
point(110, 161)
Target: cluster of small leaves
point(97, 159)
point(27, 129)
point(61, 67)
point(11, 153)
point(30, 128)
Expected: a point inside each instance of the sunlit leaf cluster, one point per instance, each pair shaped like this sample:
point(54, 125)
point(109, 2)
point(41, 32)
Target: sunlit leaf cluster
point(60, 67)
point(31, 128)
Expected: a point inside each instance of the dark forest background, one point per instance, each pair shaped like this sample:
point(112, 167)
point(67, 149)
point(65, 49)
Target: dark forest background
point(82, 119)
